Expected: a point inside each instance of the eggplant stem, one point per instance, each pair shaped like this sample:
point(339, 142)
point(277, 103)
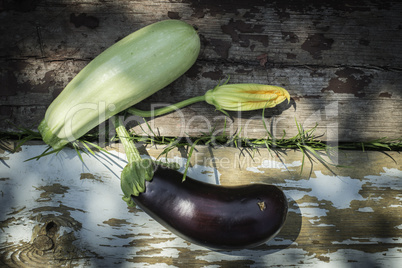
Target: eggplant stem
point(131, 151)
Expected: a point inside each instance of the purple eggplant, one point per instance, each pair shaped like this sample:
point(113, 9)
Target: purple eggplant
point(214, 216)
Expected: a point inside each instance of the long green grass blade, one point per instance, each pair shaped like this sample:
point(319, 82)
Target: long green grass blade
point(45, 153)
point(190, 153)
point(77, 150)
point(97, 147)
point(87, 147)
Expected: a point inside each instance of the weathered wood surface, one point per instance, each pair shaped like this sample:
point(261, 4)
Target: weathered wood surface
point(60, 212)
point(341, 61)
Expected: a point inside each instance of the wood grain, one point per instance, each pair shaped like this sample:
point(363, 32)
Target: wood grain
point(62, 212)
point(340, 60)
point(325, 54)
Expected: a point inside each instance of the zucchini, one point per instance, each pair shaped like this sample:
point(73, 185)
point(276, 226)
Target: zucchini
point(123, 75)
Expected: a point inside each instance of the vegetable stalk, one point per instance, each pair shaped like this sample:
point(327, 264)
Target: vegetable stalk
point(129, 147)
point(137, 170)
point(229, 97)
point(167, 109)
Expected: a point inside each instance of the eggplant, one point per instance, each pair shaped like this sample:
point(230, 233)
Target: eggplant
point(214, 216)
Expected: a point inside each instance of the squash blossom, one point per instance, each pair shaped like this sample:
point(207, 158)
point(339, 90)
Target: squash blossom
point(245, 97)
point(228, 97)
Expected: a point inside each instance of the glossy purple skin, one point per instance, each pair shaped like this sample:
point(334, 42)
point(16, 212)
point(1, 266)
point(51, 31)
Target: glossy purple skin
point(214, 216)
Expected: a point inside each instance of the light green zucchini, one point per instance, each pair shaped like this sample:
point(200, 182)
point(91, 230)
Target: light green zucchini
point(123, 75)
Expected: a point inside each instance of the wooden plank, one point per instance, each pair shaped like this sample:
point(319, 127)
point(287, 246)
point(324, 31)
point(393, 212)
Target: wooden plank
point(298, 33)
point(355, 109)
point(346, 111)
point(60, 211)
point(325, 55)
point(341, 63)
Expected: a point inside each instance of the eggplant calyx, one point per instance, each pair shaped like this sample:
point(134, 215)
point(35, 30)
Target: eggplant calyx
point(138, 170)
point(133, 178)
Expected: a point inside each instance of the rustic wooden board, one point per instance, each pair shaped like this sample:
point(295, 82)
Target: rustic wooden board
point(59, 211)
point(341, 62)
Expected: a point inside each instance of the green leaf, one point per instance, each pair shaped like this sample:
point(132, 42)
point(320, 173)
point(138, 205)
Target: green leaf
point(224, 112)
point(303, 157)
point(381, 145)
point(45, 153)
point(97, 147)
point(78, 152)
point(188, 159)
point(265, 125)
point(133, 178)
point(87, 147)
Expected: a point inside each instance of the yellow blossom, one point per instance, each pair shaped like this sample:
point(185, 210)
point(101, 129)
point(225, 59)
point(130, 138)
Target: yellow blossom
point(246, 97)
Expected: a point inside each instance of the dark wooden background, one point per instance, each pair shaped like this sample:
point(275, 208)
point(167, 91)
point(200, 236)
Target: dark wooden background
point(340, 60)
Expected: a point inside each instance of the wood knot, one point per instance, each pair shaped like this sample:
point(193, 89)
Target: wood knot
point(43, 243)
point(44, 240)
point(51, 243)
point(51, 228)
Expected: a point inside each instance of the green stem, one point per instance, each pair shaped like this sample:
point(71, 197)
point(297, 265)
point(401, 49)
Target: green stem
point(129, 147)
point(167, 109)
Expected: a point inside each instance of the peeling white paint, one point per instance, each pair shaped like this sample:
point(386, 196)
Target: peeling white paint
point(325, 225)
point(369, 240)
point(358, 258)
point(254, 169)
point(94, 202)
point(365, 209)
point(392, 176)
point(19, 231)
point(158, 265)
point(274, 164)
point(340, 191)
point(313, 212)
